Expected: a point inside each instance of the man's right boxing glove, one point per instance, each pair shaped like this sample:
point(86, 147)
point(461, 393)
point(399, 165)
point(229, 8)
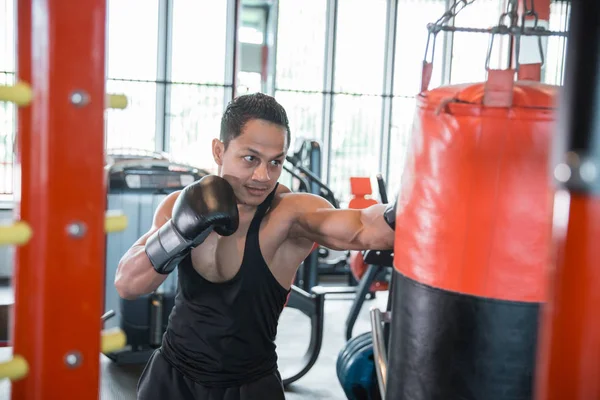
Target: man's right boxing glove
point(389, 215)
point(206, 205)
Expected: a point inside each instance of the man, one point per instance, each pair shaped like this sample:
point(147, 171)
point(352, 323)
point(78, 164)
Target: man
point(237, 239)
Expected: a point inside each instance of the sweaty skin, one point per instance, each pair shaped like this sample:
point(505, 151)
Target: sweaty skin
point(252, 164)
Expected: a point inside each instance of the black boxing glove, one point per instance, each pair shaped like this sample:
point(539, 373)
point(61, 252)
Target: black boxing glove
point(389, 215)
point(205, 205)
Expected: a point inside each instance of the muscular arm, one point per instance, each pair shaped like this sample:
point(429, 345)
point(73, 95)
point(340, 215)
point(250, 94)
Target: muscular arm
point(135, 275)
point(349, 229)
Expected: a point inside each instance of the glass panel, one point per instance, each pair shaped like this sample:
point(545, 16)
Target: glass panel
point(403, 112)
point(199, 41)
point(355, 141)
point(248, 82)
point(411, 41)
point(132, 48)
point(252, 34)
point(7, 35)
point(7, 134)
point(135, 126)
point(360, 46)
point(305, 113)
point(301, 54)
point(553, 70)
point(469, 50)
point(194, 121)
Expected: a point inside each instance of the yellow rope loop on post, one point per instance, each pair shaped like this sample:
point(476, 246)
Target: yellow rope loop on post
point(14, 369)
point(112, 340)
point(20, 94)
point(118, 101)
point(115, 221)
point(18, 233)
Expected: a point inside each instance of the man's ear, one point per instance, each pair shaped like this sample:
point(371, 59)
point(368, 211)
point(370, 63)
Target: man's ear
point(218, 148)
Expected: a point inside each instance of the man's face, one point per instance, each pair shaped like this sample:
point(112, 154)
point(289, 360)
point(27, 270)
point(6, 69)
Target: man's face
point(252, 162)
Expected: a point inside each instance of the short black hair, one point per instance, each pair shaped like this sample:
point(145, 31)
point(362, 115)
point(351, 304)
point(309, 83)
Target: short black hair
point(248, 107)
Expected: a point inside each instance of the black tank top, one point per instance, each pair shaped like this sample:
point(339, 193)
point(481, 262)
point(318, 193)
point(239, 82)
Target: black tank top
point(223, 334)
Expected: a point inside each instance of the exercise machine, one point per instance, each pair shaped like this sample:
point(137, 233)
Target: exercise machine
point(310, 300)
point(355, 366)
point(372, 269)
point(308, 273)
point(305, 167)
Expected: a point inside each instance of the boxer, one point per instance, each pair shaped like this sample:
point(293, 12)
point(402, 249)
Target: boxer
point(237, 239)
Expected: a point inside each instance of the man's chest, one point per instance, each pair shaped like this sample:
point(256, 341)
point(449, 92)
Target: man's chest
point(219, 258)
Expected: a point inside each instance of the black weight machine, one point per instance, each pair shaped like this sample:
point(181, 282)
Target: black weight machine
point(304, 167)
point(312, 304)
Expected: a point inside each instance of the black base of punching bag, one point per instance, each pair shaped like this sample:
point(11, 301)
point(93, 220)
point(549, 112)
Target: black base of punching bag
point(451, 346)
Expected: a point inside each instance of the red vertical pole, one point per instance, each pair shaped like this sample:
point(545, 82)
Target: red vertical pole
point(569, 362)
point(59, 273)
point(569, 350)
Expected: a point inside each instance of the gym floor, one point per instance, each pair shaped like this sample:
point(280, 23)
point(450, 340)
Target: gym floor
point(321, 382)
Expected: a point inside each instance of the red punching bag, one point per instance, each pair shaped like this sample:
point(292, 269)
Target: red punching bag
point(473, 231)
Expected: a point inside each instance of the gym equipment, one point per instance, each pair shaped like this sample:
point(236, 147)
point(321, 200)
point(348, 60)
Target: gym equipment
point(356, 370)
point(308, 155)
point(361, 198)
point(60, 228)
point(21, 95)
point(14, 369)
point(312, 305)
point(355, 364)
point(470, 281)
point(305, 168)
point(138, 181)
point(17, 233)
point(307, 273)
point(479, 269)
point(568, 362)
point(373, 271)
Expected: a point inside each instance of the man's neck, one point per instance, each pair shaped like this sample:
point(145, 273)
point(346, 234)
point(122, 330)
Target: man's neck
point(246, 208)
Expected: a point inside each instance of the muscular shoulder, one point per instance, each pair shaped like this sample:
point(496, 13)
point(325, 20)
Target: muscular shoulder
point(293, 205)
point(164, 210)
point(287, 209)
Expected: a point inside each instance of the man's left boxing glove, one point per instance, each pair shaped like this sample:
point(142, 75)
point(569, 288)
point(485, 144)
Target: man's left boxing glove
point(206, 205)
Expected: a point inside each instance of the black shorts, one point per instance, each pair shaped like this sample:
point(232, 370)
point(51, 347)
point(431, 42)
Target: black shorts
point(161, 381)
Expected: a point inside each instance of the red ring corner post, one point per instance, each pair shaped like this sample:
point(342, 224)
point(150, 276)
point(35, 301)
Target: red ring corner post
point(59, 273)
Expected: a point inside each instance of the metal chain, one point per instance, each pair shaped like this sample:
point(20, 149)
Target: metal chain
point(443, 21)
point(508, 24)
point(512, 16)
point(530, 12)
point(512, 13)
